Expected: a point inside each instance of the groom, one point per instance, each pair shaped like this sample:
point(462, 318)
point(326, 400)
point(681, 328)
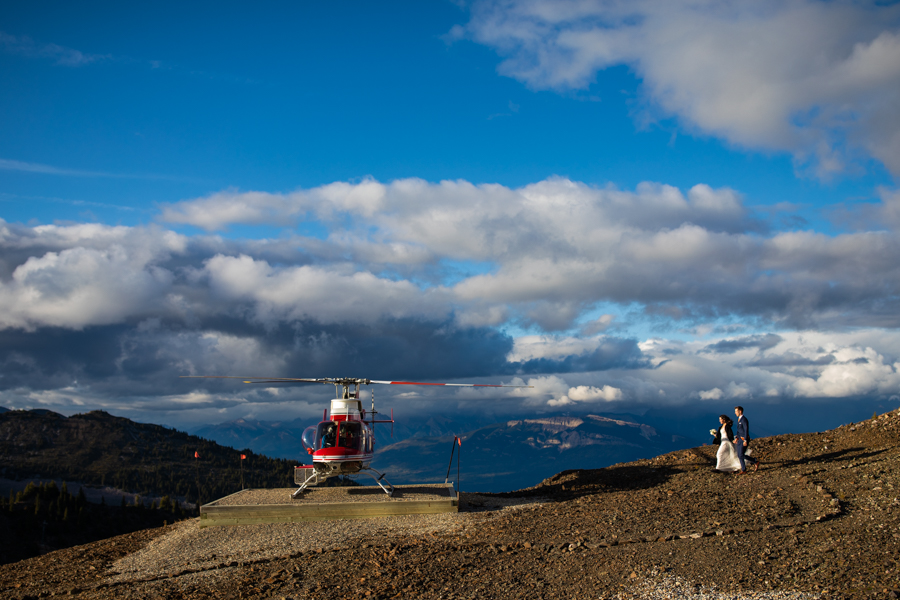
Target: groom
point(742, 439)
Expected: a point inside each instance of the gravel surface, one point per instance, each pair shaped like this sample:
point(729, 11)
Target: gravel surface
point(326, 495)
point(669, 587)
point(821, 519)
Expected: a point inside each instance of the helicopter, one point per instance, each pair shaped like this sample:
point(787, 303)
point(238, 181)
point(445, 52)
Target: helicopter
point(343, 443)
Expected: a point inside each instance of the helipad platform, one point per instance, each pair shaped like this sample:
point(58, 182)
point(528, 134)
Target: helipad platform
point(353, 502)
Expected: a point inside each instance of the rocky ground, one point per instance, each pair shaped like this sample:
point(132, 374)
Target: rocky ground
point(821, 518)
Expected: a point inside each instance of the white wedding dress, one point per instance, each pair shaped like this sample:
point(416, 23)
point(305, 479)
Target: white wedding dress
point(726, 457)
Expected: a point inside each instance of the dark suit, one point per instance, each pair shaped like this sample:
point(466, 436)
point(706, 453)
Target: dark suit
point(742, 436)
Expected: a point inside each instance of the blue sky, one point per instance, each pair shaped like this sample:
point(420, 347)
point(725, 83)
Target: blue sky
point(621, 203)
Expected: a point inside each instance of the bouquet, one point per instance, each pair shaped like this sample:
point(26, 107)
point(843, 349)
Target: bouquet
point(712, 432)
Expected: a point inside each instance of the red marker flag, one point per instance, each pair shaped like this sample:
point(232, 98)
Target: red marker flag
point(243, 456)
point(196, 454)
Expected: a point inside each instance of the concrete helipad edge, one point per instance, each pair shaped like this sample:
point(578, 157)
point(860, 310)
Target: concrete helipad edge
point(223, 512)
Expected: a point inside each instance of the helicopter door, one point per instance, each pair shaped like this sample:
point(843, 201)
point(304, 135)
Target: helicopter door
point(322, 436)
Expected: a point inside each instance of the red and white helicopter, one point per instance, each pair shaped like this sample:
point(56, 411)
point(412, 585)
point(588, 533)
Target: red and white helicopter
point(343, 443)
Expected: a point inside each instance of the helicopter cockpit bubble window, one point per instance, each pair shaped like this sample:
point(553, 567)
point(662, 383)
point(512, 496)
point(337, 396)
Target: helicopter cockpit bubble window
point(309, 439)
point(350, 435)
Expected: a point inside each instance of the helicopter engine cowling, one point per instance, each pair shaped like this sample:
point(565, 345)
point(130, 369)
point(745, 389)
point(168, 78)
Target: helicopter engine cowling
point(340, 468)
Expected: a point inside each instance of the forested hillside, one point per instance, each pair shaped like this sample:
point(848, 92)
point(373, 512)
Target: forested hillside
point(152, 460)
point(45, 517)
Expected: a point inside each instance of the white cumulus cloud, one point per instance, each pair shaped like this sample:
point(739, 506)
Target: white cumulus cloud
point(584, 393)
point(818, 79)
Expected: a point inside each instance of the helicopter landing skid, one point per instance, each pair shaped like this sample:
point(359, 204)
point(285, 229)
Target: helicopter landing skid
point(312, 479)
point(388, 489)
point(315, 478)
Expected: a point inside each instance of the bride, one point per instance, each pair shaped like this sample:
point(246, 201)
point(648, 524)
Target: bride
point(726, 457)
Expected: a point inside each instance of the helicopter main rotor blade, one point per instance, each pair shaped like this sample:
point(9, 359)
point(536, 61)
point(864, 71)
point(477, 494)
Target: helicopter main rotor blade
point(260, 379)
point(449, 384)
point(345, 381)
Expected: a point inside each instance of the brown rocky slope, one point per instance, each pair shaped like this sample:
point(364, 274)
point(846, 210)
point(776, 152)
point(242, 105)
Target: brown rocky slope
point(820, 519)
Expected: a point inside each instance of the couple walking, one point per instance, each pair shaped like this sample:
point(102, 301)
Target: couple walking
point(734, 450)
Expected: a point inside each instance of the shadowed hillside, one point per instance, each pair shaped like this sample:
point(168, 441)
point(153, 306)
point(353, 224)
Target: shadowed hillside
point(98, 448)
point(43, 517)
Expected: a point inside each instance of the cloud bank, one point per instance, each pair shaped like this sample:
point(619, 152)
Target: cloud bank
point(546, 254)
point(551, 284)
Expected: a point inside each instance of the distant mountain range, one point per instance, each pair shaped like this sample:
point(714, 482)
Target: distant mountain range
point(281, 439)
point(278, 439)
point(521, 453)
point(512, 454)
point(99, 448)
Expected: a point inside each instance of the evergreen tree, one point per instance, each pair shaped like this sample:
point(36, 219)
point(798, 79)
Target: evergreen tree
point(51, 492)
point(30, 489)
